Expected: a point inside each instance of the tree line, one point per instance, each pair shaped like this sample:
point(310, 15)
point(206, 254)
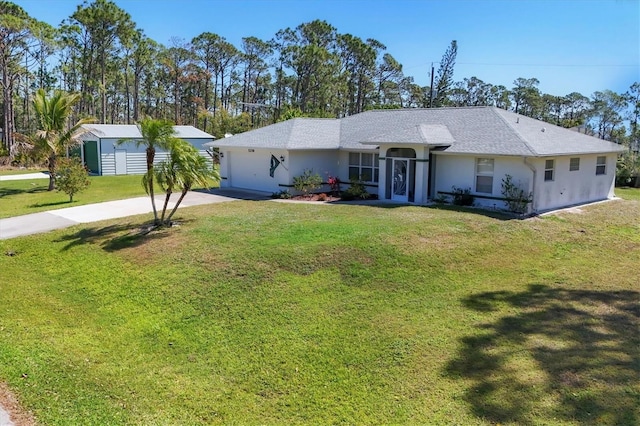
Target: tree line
point(122, 75)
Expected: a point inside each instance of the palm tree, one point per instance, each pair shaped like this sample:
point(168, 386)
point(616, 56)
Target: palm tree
point(184, 169)
point(155, 134)
point(54, 136)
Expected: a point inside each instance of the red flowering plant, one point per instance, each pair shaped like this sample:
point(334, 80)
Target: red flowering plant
point(334, 183)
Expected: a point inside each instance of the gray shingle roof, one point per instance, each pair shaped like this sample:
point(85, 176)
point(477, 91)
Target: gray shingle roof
point(471, 130)
point(547, 139)
point(420, 134)
point(294, 134)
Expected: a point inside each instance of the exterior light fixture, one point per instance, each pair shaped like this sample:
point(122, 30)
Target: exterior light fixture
point(282, 158)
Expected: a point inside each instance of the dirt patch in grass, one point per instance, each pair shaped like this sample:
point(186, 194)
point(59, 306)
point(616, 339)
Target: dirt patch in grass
point(19, 416)
point(148, 245)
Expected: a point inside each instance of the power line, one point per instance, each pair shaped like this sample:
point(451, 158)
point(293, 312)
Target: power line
point(502, 64)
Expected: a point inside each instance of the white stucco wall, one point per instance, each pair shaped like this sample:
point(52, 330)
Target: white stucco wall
point(567, 187)
point(573, 187)
point(460, 171)
point(323, 162)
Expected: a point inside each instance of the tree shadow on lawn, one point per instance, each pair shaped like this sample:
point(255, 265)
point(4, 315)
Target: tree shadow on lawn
point(7, 192)
point(116, 237)
point(556, 356)
point(54, 203)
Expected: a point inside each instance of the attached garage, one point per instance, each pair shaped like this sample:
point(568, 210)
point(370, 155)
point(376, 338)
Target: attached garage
point(260, 172)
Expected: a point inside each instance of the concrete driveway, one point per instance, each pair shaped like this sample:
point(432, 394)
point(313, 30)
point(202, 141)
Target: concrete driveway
point(5, 420)
point(63, 218)
point(25, 176)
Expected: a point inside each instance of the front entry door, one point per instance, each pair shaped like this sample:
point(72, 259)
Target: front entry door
point(399, 187)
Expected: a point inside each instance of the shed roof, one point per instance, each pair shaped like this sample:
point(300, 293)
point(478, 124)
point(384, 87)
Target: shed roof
point(468, 130)
point(131, 131)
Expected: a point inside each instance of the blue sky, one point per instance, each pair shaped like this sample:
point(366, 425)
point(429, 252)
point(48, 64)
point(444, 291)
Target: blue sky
point(569, 45)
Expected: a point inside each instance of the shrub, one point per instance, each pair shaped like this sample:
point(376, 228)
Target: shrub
point(284, 195)
point(323, 197)
point(440, 199)
point(356, 190)
point(308, 181)
point(627, 169)
point(71, 177)
point(516, 198)
point(462, 197)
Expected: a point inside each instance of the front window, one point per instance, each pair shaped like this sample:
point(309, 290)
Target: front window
point(484, 175)
point(363, 166)
point(601, 165)
point(548, 170)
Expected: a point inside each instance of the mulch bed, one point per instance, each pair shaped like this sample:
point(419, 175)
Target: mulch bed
point(315, 197)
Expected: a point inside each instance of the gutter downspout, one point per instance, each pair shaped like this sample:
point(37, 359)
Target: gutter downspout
point(533, 188)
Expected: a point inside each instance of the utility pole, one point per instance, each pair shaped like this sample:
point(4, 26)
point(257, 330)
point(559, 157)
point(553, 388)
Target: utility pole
point(431, 88)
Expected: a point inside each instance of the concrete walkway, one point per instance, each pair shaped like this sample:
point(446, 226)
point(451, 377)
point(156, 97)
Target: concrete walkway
point(63, 218)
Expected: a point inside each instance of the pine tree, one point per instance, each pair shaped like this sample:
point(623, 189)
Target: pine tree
point(444, 79)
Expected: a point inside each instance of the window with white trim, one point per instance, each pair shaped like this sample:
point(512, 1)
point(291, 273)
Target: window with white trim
point(484, 175)
point(364, 166)
point(601, 165)
point(574, 164)
point(548, 170)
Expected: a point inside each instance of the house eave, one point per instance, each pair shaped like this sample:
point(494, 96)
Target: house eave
point(561, 154)
point(423, 144)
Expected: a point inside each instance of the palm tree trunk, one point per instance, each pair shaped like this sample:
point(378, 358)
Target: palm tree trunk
point(52, 172)
point(151, 153)
point(164, 207)
point(182, 195)
point(153, 199)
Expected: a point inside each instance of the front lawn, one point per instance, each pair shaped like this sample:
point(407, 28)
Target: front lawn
point(282, 313)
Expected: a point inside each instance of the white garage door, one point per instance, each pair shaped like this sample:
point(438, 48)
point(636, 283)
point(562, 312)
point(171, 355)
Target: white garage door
point(250, 170)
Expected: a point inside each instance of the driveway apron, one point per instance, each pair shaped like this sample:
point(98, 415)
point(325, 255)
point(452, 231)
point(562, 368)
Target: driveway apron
point(63, 218)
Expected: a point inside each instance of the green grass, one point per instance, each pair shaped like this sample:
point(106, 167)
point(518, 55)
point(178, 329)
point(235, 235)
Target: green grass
point(18, 197)
point(281, 313)
point(628, 193)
